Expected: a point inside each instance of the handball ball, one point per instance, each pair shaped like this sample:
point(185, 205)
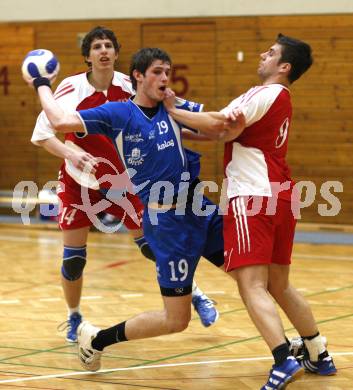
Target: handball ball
point(40, 63)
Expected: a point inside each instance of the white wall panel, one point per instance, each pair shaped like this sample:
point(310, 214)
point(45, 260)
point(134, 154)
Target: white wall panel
point(27, 10)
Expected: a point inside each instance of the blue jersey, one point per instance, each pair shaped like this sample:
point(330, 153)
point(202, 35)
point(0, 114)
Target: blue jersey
point(151, 148)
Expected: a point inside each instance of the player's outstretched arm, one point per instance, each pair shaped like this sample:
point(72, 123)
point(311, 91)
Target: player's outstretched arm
point(59, 119)
point(210, 123)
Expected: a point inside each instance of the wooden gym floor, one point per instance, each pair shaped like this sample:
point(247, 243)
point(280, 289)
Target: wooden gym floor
point(120, 283)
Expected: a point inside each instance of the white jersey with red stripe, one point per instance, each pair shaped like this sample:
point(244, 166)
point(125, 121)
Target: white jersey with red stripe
point(255, 162)
point(76, 93)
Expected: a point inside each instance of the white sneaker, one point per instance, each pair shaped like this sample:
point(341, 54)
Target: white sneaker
point(298, 349)
point(89, 357)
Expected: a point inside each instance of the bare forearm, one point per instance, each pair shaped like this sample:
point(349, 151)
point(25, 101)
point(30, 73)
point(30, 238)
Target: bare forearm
point(55, 147)
point(78, 157)
point(53, 111)
point(209, 123)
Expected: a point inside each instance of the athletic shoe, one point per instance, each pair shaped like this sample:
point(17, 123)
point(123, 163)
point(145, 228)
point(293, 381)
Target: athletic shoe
point(90, 358)
point(282, 374)
point(71, 325)
point(298, 349)
point(205, 308)
point(324, 366)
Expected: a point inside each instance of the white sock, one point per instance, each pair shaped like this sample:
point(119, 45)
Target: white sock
point(315, 347)
point(72, 310)
point(195, 290)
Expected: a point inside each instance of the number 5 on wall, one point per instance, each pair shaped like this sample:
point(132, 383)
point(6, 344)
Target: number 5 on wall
point(181, 81)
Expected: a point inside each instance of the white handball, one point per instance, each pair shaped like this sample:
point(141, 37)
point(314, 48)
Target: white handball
point(40, 63)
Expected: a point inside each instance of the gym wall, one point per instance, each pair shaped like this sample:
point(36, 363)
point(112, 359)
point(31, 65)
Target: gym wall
point(215, 59)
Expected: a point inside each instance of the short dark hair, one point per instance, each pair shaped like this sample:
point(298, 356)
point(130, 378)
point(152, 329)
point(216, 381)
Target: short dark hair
point(98, 32)
point(297, 53)
point(143, 59)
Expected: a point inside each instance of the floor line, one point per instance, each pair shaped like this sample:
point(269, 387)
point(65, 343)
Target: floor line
point(157, 366)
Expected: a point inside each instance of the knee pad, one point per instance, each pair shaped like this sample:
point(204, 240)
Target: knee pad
point(74, 261)
point(216, 258)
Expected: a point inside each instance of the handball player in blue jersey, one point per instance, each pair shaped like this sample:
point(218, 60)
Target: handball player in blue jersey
point(179, 223)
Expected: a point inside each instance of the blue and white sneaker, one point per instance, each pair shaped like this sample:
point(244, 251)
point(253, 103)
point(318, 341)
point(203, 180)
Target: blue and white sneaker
point(205, 308)
point(281, 375)
point(71, 325)
point(324, 366)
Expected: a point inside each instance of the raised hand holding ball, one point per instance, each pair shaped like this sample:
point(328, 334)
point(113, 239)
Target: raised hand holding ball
point(40, 63)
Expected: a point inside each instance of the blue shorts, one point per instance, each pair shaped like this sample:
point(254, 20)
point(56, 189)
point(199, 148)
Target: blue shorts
point(178, 242)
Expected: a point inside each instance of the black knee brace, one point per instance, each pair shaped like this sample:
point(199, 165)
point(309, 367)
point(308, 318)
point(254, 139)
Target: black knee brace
point(74, 261)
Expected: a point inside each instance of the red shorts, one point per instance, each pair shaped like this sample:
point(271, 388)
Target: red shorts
point(71, 217)
point(257, 233)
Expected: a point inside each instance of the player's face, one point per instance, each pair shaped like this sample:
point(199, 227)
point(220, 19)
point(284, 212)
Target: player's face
point(153, 83)
point(270, 62)
point(102, 54)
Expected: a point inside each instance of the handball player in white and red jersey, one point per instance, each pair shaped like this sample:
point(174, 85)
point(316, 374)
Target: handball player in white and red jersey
point(260, 223)
point(100, 84)
point(259, 227)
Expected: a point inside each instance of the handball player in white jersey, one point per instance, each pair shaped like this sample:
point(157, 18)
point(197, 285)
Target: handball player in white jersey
point(260, 223)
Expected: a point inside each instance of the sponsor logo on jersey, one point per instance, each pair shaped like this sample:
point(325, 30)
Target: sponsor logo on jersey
point(179, 290)
point(165, 144)
point(152, 134)
point(191, 106)
point(179, 102)
point(186, 105)
point(133, 138)
point(136, 158)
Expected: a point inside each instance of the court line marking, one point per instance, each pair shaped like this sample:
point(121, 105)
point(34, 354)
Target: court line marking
point(79, 373)
point(241, 341)
point(180, 355)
